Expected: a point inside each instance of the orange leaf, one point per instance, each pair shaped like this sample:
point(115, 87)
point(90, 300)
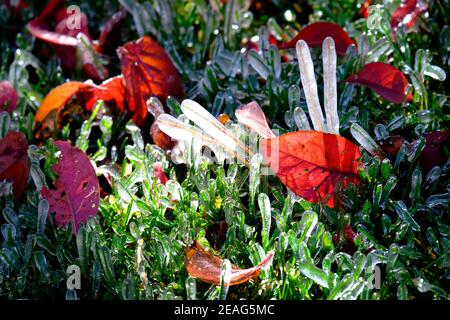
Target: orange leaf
point(148, 71)
point(14, 165)
point(312, 163)
point(111, 91)
point(206, 267)
point(58, 97)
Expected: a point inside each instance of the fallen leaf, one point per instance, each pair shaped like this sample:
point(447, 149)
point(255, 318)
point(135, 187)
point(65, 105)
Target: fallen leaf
point(110, 35)
point(313, 163)
point(384, 79)
point(364, 10)
point(14, 164)
point(315, 33)
point(159, 173)
point(58, 97)
point(407, 13)
point(433, 154)
point(391, 146)
point(72, 44)
point(111, 91)
point(8, 96)
point(252, 116)
point(76, 195)
point(161, 139)
point(203, 265)
point(148, 71)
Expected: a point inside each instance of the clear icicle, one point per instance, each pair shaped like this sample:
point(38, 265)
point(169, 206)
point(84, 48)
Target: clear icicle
point(309, 85)
point(329, 81)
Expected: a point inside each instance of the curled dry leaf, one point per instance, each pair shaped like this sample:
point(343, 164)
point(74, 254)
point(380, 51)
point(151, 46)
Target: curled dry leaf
point(76, 195)
point(252, 116)
point(70, 38)
point(384, 79)
point(8, 96)
point(111, 91)
point(58, 97)
point(315, 33)
point(148, 71)
point(407, 13)
point(312, 163)
point(14, 164)
point(203, 265)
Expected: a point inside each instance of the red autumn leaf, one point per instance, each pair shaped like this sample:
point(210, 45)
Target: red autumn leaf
point(58, 97)
point(110, 35)
point(148, 71)
point(407, 13)
point(8, 96)
point(111, 91)
point(313, 163)
point(315, 33)
point(253, 117)
point(364, 11)
point(77, 194)
point(161, 139)
point(433, 154)
point(159, 173)
point(64, 38)
point(384, 79)
point(203, 265)
point(391, 146)
point(14, 165)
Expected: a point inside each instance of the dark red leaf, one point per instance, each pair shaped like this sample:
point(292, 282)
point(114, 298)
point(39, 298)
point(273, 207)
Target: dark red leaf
point(315, 33)
point(77, 194)
point(384, 79)
point(111, 91)
point(8, 96)
point(203, 265)
point(110, 35)
point(313, 163)
point(433, 154)
point(161, 139)
point(407, 13)
point(64, 38)
point(391, 146)
point(14, 164)
point(148, 71)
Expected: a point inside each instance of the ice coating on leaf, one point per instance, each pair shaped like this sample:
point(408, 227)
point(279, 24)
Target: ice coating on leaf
point(253, 117)
point(77, 195)
point(365, 140)
point(197, 114)
point(203, 265)
point(329, 84)
point(309, 85)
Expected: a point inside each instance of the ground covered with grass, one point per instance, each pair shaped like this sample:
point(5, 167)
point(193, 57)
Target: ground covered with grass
point(90, 181)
